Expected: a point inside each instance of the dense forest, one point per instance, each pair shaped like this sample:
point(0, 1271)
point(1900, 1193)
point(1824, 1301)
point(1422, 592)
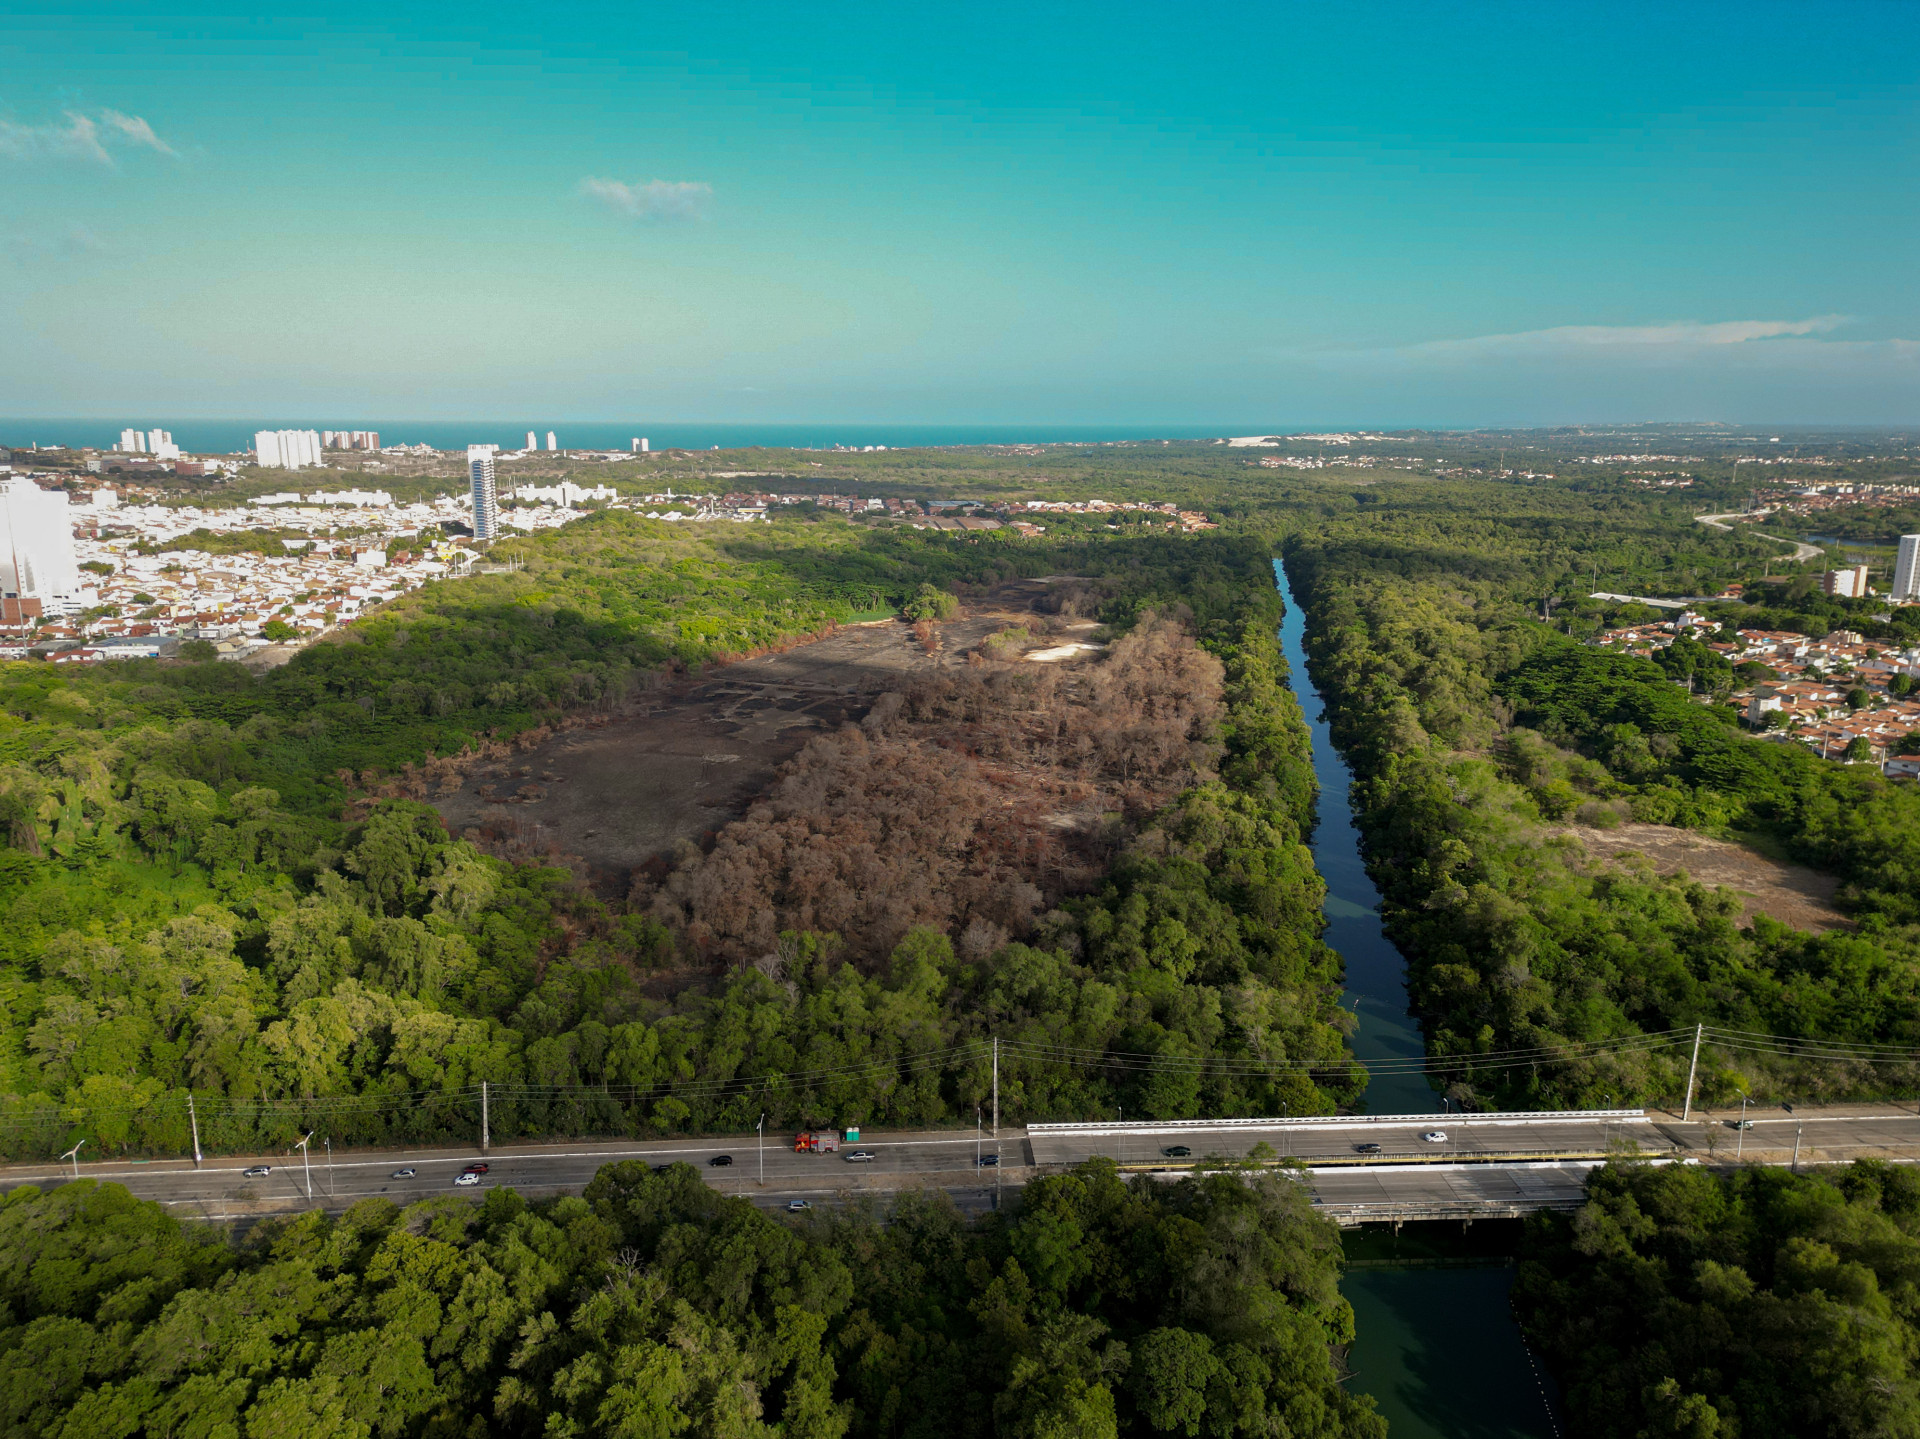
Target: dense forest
point(1486, 738)
point(204, 896)
point(1686, 1302)
point(653, 1306)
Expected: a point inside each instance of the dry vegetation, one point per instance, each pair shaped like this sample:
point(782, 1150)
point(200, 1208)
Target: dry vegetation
point(969, 801)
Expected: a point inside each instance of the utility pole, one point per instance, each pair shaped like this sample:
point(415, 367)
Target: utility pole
point(483, 1116)
point(305, 1165)
point(193, 1120)
point(996, 1087)
point(1686, 1110)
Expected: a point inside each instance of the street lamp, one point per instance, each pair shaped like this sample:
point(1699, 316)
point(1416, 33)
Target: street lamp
point(1740, 1144)
point(74, 1155)
point(302, 1147)
point(760, 1143)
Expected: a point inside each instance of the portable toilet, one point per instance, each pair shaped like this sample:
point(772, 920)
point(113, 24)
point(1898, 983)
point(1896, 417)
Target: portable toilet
point(853, 1134)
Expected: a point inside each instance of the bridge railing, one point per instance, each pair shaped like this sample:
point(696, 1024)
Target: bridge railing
point(1337, 1121)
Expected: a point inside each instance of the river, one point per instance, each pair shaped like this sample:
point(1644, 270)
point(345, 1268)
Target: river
point(1438, 1347)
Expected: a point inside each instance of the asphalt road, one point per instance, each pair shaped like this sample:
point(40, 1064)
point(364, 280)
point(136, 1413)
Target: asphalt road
point(1493, 1162)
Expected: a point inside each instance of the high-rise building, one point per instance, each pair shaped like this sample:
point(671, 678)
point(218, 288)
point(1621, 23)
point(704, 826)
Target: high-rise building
point(286, 449)
point(36, 545)
point(533, 442)
point(1849, 582)
point(132, 442)
point(552, 443)
point(158, 438)
point(486, 509)
point(1906, 569)
point(640, 445)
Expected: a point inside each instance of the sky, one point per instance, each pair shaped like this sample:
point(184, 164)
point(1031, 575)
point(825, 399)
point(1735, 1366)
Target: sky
point(1262, 215)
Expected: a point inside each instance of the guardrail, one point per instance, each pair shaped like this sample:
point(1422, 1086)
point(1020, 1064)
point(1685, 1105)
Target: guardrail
point(1340, 1121)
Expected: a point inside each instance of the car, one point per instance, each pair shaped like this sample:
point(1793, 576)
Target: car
point(861, 1156)
point(1367, 1148)
point(1435, 1136)
point(794, 1206)
point(258, 1171)
point(402, 1174)
point(476, 1169)
point(1739, 1124)
point(1176, 1151)
point(989, 1161)
point(720, 1161)
point(466, 1178)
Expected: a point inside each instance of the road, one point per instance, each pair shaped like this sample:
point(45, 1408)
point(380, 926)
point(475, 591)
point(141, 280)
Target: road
point(1487, 1165)
point(1801, 550)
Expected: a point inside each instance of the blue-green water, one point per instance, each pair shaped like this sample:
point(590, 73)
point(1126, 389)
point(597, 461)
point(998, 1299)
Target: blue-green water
point(1438, 1348)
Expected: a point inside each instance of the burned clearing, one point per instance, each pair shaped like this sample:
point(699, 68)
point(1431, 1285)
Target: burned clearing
point(681, 760)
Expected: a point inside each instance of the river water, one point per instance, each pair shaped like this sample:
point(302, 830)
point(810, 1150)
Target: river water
point(1438, 1348)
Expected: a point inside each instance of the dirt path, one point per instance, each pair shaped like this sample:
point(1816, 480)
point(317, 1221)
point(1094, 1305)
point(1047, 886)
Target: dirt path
point(1790, 893)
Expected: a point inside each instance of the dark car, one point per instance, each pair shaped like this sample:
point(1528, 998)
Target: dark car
point(989, 1161)
point(720, 1161)
point(1176, 1151)
point(1368, 1148)
point(476, 1169)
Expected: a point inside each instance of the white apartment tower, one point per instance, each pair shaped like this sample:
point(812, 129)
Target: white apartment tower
point(552, 443)
point(1849, 582)
point(1906, 569)
point(486, 509)
point(132, 442)
point(36, 546)
point(533, 442)
point(286, 449)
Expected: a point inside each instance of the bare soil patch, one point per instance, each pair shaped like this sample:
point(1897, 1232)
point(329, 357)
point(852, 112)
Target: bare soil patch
point(1789, 893)
point(679, 762)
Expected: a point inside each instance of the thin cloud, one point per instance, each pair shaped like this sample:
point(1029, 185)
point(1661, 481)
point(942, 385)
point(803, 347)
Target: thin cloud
point(67, 244)
point(1689, 334)
point(655, 200)
point(79, 137)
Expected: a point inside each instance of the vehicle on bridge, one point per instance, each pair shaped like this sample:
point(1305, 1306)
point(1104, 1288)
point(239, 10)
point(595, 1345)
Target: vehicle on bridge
point(258, 1171)
point(861, 1156)
point(814, 1142)
point(720, 1161)
point(466, 1179)
point(1435, 1136)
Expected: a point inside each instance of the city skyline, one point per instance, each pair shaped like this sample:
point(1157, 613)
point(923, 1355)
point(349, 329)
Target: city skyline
point(1398, 216)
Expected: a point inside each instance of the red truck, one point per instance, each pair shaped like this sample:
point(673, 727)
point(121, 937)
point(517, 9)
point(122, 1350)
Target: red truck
point(815, 1142)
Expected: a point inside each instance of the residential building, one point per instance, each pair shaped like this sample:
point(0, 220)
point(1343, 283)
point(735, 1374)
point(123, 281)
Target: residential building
point(640, 445)
point(132, 442)
point(36, 546)
point(552, 443)
point(1906, 569)
point(533, 442)
point(1848, 583)
point(286, 449)
point(486, 505)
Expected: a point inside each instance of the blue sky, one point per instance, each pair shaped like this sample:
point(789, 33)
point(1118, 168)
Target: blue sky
point(1269, 214)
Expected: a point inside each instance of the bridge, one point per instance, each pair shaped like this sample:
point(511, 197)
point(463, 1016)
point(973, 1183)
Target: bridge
point(1362, 1169)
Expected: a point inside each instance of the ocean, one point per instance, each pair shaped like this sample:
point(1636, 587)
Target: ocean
point(236, 436)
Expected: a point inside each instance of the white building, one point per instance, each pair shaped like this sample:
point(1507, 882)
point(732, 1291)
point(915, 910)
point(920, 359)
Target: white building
point(640, 445)
point(1906, 569)
point(552, 443)
point(36, 546)
point(533, 442)
point(486, 505)
point(1849, 583)
point(132, 442)
point(286, 449)
point(160, 439)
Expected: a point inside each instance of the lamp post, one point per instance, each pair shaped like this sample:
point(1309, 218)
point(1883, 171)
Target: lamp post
point(74, 1155)
point(304, 1165)
point(760, 1144)
point(1740, 1144)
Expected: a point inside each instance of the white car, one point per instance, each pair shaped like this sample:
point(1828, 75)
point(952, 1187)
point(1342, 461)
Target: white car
point(464, 1180)
point(1435, 1136)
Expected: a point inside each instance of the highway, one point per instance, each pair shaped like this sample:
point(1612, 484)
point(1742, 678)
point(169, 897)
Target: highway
point(1487, 1165)
point(1802, 551)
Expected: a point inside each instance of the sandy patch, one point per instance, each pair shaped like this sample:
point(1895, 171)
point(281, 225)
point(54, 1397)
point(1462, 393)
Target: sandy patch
point(1790, 893)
